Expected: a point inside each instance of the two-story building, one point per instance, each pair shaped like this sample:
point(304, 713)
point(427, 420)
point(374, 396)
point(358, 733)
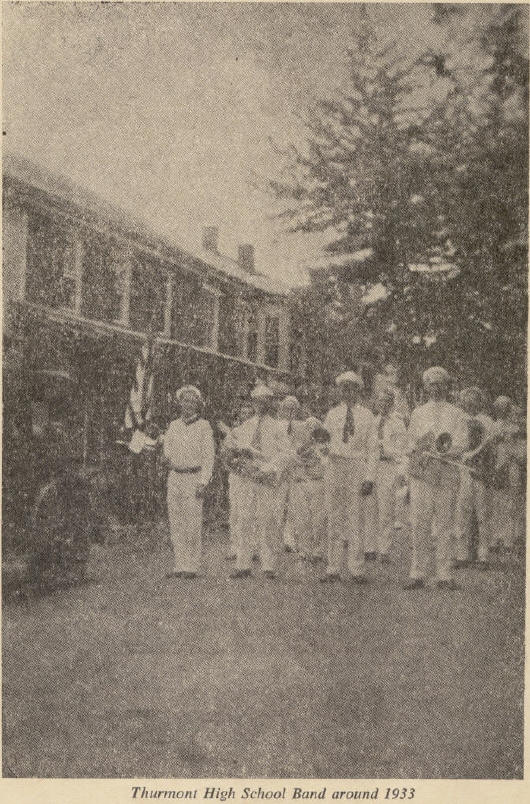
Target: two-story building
point(83, 282)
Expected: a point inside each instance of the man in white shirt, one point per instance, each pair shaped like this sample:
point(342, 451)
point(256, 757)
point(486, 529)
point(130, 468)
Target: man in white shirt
point(264, 440)
point(188, 450)
point(288, 416)
point(350, 475)
point(473, 492)
point(507, 521)
point(237, 484)
point(437, 436)
point(392, 441)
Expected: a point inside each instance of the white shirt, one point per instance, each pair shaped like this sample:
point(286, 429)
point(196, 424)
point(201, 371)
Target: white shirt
point(363, 442)
point(393, 440)
point(437, 418)
point(190, 445)
point(275, 444)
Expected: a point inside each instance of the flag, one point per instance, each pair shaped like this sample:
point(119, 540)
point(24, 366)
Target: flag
point(138, 411)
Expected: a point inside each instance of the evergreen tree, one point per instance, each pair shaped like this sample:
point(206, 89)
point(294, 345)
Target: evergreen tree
point(429, 202)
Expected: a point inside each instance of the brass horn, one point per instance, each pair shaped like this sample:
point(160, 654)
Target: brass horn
point(443, 443)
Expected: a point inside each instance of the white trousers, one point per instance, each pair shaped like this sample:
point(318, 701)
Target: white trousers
point(185, 521)
point(472, 497)
point(385, 499)
point(308, 517)
point(343, 480)
point(432, 511)
point(258, 519)
point(507, 518)
point(286, 514)
point(234, 496)
point(369, 525)
point(238, 489)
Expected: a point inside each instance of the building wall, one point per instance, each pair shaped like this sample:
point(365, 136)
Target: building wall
point(55, 259)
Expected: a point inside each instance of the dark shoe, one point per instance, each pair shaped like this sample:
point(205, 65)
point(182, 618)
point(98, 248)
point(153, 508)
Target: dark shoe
point(460, 564)
point(450, 585)
point(370, 556)
point(255, 557)
point(231, 557)
point(173, 574)
point(385, 559)
point(330, 578)
point(288, 548)
point(361, 580)
point(316, 559)
point(269, 575)
point(242, 573)
point(414, 583)
point(189, 575)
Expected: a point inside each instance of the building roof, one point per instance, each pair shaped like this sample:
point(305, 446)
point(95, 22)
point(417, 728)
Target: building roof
point(65, 191)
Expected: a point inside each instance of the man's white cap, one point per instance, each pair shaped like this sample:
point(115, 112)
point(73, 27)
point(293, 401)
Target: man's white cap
point(261, 392)
point(290, 402)
point(502, 402)
point(189, 389)
point(349, 376)
point(435, 374)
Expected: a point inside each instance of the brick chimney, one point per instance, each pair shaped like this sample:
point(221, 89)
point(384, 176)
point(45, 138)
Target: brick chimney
point(245, 257)
point(210, 238)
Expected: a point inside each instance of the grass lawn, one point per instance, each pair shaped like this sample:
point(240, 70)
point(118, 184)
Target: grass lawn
point(140, 676)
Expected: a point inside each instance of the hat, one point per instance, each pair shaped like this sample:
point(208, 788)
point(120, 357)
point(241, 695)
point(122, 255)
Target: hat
point(189, 389)
point(312, 423)
point(290, 402)
point(261, 392)
point(349, 376)
point(502, 402)
point(435, 374)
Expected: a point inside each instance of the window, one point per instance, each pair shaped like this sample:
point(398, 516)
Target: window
point(195, 312)
point(203, 319)
point(51, 263)
point(252, 335)
point(148, 295)
point(102, 279)
point(272, 340)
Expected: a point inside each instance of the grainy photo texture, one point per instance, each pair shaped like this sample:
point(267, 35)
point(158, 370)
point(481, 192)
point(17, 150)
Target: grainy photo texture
point(264, 407)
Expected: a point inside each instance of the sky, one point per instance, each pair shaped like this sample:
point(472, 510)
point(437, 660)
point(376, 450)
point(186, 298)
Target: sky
point(174, 111)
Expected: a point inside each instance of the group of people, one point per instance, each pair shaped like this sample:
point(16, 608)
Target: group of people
point(334, 491)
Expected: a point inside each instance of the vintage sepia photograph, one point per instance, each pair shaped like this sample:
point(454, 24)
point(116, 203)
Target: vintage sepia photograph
point(264, 392)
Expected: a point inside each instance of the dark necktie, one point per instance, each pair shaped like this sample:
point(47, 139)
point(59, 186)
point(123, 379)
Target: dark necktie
point(290, 427)
point(256, 438)
point(349, 426)
point(381, 435)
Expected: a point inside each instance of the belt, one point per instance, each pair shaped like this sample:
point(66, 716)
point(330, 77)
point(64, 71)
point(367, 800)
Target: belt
point(191, 470)
point(352, 456)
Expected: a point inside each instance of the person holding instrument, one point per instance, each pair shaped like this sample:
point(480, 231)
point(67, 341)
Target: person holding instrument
point(261, 456)
point(437, 437)
point(475, 477)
